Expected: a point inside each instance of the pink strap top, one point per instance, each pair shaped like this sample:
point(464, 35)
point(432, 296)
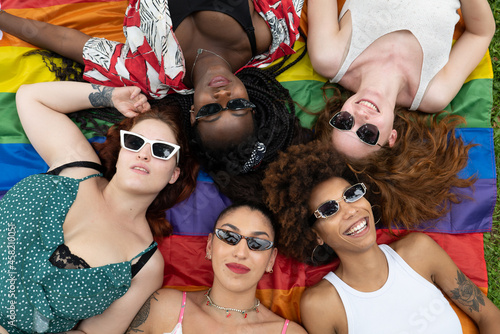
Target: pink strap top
point(178, 327)
point(285, 326)
point(183, 307)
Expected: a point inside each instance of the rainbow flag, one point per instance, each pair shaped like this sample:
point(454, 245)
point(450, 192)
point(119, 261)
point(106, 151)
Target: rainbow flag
point(459, 233)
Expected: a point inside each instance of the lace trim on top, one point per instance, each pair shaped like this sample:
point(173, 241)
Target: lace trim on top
point(63, 258)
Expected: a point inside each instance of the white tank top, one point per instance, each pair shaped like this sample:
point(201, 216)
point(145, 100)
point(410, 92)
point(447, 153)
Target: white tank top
point(431, 22)
point(407, 303)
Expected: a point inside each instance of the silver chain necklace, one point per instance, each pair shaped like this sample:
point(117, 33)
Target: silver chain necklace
point(199, 52)
point(244, 313)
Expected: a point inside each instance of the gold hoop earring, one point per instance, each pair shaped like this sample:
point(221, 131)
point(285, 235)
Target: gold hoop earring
point(378, 220)
point(313, 261)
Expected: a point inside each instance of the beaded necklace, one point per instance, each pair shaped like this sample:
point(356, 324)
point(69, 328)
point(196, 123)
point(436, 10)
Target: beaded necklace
point(244, 313)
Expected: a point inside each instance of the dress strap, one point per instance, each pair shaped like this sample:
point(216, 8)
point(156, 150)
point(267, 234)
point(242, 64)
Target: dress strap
point(144, 257)
point(86, 164)
point(285, 326)
point(250, 30)
point(183, 307)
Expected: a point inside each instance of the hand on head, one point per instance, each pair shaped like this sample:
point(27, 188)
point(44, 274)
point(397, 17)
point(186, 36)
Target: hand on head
point(130, 101)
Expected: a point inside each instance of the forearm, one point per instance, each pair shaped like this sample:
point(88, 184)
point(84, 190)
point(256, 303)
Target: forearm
point(322, 22)
point(67, 96)
point(62, 40)
point(324, 40)
point(478, 18)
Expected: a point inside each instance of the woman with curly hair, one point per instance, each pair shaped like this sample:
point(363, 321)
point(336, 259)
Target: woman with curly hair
point(77, 243)
point(393, 53)
point(321, 204)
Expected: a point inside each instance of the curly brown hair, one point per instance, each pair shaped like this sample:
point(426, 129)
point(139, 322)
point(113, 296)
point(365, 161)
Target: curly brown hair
point(408, 184)
point(172, 193)
point(288, 184)
point(427, 151)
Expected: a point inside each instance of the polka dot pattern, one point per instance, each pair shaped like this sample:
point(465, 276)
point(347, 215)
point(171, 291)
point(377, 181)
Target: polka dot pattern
point(36, 296)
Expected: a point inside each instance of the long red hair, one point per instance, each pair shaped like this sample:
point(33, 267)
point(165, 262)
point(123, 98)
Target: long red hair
point(172, 193)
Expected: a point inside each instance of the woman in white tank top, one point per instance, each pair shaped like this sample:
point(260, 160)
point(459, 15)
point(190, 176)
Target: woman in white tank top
point(324, 213)
point(394, 53)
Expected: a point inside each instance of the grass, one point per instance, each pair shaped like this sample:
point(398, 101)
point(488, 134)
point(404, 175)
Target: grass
point(492, 239)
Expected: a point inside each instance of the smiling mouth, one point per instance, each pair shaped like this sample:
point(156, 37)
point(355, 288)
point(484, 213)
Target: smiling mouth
point(357, 228)
point(369, 105)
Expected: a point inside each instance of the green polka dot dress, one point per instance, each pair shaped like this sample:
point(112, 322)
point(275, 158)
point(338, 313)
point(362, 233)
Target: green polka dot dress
point(36, 296)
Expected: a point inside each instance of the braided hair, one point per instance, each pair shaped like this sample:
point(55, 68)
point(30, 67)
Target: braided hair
point(275, 124)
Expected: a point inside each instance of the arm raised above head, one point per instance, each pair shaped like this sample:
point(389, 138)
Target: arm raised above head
point(325, 42)
point(62, 40)
point(42, 108)
point(465, 55)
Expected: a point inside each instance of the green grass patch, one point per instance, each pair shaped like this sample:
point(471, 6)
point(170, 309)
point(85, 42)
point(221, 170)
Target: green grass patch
point(492, 240)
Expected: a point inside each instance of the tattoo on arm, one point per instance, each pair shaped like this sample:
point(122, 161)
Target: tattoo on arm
point(101, 98)
point(467, 293)
point(141, 316)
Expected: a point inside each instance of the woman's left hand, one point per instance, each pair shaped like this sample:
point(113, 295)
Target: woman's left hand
point(130, 101)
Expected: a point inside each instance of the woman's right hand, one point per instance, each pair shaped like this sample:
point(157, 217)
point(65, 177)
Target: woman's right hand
point(129, 101)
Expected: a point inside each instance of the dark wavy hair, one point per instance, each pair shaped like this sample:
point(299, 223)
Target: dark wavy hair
point(253, 206)
point(171, 193)
point(417, 192)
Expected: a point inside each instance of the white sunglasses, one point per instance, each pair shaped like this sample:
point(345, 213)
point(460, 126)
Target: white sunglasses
point(159, 149)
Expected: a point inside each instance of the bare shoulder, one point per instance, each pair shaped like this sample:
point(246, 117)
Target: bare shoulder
point(322, 310)
point(152, 270)
point(319, 292)
point(160, 311)
point(295, 328)
point(414, 244)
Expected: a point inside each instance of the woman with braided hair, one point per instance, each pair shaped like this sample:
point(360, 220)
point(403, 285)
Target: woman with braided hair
point(175, 47)
point(237, 168)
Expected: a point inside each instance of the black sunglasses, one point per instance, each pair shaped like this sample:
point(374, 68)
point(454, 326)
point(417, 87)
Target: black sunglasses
point(159, 149)
point(214, 108)
point(331, 207)
point(232, 238)
point(344, 121)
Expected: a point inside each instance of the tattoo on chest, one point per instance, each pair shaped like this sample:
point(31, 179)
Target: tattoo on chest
point(141, 316)
point(467, 293)
point(101, 98)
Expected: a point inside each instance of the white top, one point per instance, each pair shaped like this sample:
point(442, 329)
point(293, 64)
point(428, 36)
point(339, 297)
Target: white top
point(431, 22)
point(407, 303)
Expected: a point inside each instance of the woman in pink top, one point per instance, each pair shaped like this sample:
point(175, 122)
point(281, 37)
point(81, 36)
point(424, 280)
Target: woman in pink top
point(241, 249)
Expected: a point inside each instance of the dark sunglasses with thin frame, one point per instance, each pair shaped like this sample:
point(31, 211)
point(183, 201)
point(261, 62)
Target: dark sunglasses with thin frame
point(344, 121)
point(214, 108)
point(233, 238)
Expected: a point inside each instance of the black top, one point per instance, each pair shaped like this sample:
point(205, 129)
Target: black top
point(237, 9)
point(62, 256)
